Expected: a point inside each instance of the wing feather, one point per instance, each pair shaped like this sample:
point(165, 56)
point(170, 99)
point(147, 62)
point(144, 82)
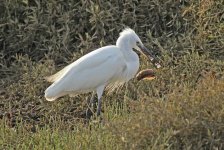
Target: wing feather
point(85, 74)
point(57, 75)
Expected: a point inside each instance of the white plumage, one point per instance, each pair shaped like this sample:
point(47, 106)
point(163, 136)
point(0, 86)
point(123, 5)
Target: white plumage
point(109, 66)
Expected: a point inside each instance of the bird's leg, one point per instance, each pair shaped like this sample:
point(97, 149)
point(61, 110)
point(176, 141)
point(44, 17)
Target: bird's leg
point(99, 107)
point(92, 102)
point(91, 106)
point(99, 92)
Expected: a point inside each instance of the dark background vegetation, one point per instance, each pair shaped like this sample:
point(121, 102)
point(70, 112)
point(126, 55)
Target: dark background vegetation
point(182, 109)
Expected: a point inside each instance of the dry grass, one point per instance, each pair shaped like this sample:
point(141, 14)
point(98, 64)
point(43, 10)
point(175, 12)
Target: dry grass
point(182, 109)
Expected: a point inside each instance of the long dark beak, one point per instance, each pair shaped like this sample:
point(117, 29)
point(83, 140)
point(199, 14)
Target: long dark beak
point(149, 55)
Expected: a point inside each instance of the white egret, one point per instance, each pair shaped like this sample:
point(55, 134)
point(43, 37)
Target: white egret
point(107, 67)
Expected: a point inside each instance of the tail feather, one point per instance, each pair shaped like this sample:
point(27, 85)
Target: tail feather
point(51, 93)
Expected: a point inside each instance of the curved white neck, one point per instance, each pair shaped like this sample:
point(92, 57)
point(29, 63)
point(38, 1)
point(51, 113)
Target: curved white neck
point(126, 49)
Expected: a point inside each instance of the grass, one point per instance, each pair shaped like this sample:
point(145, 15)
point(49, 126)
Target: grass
point(182, 108)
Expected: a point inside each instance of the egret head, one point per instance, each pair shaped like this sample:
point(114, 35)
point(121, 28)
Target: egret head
point(128, 38)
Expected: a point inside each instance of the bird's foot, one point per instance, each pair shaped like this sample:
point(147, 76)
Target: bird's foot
point(93, 115)
point(89, 113)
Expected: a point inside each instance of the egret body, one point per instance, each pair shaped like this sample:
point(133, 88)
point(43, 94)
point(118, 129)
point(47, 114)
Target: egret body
point(106, 67)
